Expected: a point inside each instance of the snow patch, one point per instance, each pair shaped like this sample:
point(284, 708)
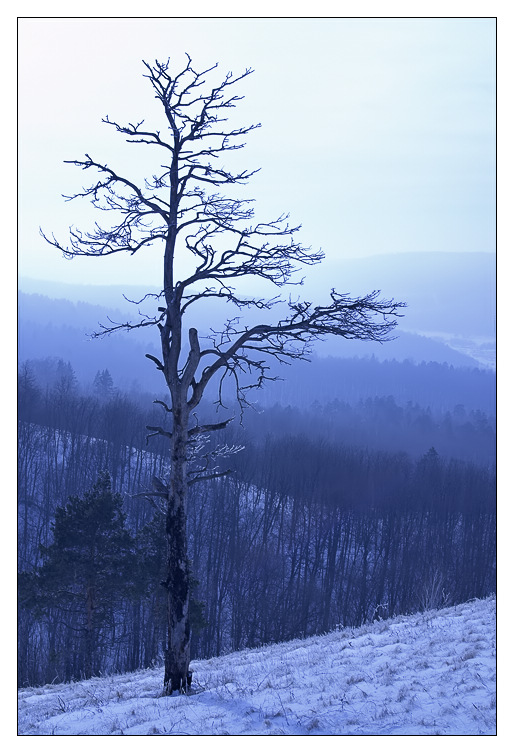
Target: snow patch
point(426, 674)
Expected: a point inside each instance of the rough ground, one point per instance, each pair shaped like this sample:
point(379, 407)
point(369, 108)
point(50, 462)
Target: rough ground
point(427, 674)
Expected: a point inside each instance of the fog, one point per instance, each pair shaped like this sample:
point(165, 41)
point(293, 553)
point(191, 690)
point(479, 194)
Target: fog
point(420, 389)
point(377, 135)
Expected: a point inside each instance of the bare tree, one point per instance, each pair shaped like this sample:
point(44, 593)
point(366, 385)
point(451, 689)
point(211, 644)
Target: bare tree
point(180, 207)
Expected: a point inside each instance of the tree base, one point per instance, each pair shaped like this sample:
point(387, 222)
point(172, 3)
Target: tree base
point(178, 684)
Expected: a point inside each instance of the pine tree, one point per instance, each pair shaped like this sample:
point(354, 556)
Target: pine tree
point(87, 569)
point(65, 380)
point(29, 393)
point(103, 384)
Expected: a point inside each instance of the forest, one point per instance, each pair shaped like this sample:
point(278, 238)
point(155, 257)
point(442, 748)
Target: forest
point(334, 512)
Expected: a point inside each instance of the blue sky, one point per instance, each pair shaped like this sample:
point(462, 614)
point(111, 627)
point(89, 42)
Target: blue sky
point(378, 135)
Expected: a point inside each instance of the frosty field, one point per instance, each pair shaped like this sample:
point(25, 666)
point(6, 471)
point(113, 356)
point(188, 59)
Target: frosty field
point(427, 674)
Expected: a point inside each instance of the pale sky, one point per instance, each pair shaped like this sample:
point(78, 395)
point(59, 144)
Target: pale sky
point(378, 135)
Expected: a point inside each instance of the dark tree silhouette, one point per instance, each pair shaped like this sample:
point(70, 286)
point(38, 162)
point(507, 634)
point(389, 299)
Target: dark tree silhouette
point(213, 237)
point(87, 568)
point(103, 385)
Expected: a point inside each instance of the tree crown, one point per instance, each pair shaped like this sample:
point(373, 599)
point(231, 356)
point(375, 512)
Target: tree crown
point(209, 242)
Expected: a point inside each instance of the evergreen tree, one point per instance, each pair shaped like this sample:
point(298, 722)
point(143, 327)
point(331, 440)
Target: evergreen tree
point(87, 569)
point(65, 381)
point(29, 394)
point(103, 384)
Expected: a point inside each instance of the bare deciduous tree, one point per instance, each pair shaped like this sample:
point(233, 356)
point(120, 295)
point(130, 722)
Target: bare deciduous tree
point(180, 207)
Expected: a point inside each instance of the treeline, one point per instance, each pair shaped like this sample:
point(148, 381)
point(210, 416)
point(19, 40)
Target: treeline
point(304, 535)
point(439, 386)
point(381, 422)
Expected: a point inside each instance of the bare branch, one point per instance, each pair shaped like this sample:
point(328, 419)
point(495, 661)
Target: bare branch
point(208, 477)
point(159, 365)
point(166, 407)
point(208, 427)
point(159, 430)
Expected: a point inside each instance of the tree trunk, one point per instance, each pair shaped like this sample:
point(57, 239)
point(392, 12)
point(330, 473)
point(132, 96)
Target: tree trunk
point(177, 584)
point(89, 637)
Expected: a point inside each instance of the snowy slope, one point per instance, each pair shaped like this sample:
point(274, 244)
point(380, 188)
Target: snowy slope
point(427, 674)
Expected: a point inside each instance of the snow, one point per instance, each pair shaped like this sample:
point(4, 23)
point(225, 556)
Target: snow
point(432, 673)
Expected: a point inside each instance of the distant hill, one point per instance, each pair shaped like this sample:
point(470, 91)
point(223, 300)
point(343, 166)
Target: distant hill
point(112, 297)
point(450, 314)
point(61, 328)
point(451, 293)
point(445, 292)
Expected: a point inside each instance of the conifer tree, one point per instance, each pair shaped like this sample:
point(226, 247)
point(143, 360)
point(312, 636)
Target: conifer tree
point(103, 384)
point(87, 569)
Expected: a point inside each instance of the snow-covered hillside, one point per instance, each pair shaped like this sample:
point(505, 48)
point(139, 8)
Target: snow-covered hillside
point(428, 674)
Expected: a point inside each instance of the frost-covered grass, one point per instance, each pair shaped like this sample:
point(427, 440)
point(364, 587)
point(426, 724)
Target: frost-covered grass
point(428, 674)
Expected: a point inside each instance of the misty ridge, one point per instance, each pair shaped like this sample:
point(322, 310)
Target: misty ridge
point(450, 315)
point(434, 385)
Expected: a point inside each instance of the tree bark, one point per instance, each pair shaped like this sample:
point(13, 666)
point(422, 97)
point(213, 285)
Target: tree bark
point(177, 584)
point(89, 638)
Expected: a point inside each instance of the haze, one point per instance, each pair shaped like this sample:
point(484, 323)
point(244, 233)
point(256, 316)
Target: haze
point(378, 135)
